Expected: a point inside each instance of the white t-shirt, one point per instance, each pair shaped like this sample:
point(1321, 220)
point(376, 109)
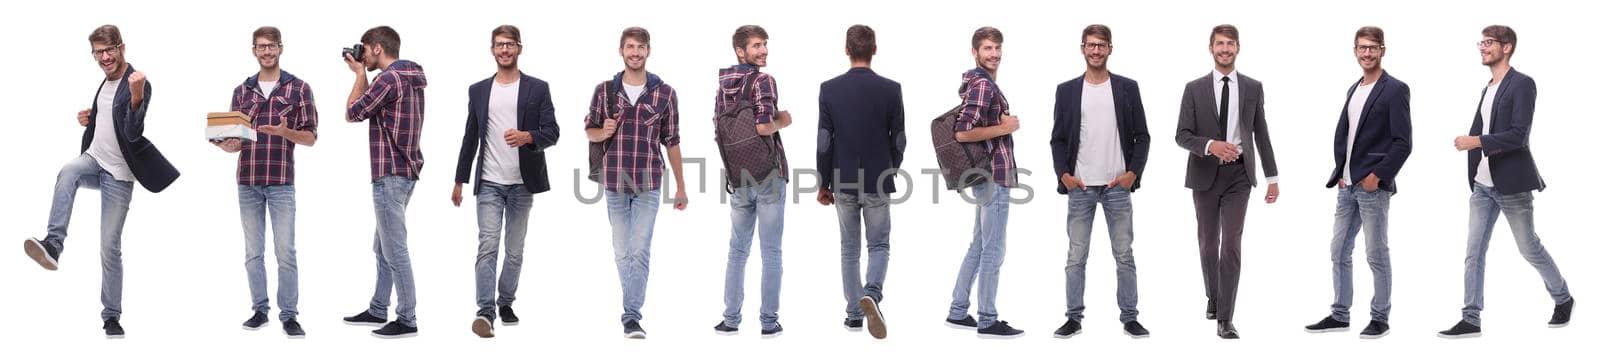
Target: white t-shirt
point(634, 92)
point(104, 149)
point(1487, 112)
point(1099, 143)
point(267, 87)
point(1358, 101)
point(500, 164)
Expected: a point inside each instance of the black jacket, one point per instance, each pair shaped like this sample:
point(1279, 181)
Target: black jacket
point(535, 114)
point(150, 168)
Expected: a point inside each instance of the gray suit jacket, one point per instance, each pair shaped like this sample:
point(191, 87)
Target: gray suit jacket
point(1197, 124)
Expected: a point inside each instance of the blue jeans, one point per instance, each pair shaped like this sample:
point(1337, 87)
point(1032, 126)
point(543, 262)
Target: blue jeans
point(633, 221)
point(984, 255)
point(114, 198)
point(755, 206)
point(873, 211)
point(255, 202)
point(390, 194)
point(1118, 204)
point(1487, 205)
point(1359, 209)
point(500, 205)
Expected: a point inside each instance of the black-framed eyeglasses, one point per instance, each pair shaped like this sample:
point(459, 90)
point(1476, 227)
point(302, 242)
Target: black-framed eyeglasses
point(111, 50)
point(1096, 46)
point(507, 45)
point(1368, 48)
point(1488, 43)
point(267, 47)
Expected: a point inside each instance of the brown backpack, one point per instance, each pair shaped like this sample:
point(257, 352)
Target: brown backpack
point(963, 164)
point(747, 157)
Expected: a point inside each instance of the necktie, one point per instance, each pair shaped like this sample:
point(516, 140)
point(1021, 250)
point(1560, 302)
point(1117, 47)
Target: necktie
point(1222, 110)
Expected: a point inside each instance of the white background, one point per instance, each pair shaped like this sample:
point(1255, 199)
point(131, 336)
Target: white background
point(186, 292)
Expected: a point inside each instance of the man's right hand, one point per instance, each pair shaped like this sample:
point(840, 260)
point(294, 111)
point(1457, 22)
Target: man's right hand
point(455, 196)
point(610, 127)
point(83, 118)
point(231, 145)
point(1071, 182)
point(355, 66)
point(825, 197)
point(1009, 124)
point(1227, 152)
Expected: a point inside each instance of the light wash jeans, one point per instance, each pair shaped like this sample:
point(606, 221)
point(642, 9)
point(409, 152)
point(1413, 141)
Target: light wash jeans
point(255, 203)
point(1118, 205)
point(500, 207)
point(633, 221)
point(390, 194)
point(984, 256)
point(756, 206)
point(115, 197)
point(1360, 210)
point(871, 210)
point(1487, 205)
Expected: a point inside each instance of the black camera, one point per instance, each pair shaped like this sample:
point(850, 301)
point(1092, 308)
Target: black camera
point(356, 52)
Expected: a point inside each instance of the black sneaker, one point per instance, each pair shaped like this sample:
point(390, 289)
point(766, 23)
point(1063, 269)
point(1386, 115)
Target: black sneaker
point(258, 320)
point(508, 317)
point(875, 325)
point(723, 328)
point(1462, 329)
point(483, 326)
point(41, 252)
point(293, 330)
point(1375, 329)
point(113, 329)
point(632, 330)
point(852, 324)
point(1563, 314)
point(966, 322)
point(1135, 330)
point(774, 332)
point(1328, 325)
point(394, 330)
point(1225, 330)
point(1070, 329)
point(364, 318)
point(999, 330)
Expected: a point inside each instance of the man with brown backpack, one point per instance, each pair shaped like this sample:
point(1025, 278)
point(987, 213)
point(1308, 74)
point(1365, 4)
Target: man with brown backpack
point(756, 173)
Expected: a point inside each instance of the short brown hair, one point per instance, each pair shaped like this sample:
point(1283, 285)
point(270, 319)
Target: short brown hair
point(636, 33)
point(1099, 30)
point(860, 42)
point(106, 34)
point(987, 33)
point(1503, 34)
point(741, 36)
point(384, 36)
point(1226, 30)
point(269, 32)
point(1370, 32)
point(509, 31)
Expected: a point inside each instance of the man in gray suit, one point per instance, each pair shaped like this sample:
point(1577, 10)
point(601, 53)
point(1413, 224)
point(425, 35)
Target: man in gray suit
point(1219, 122)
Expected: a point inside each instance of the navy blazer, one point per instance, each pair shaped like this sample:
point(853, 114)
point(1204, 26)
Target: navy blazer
point(860, 132)
point(150, 168)
point(1131, 127)
point(1506, 143)
point(535, 114)
point(1383, 139)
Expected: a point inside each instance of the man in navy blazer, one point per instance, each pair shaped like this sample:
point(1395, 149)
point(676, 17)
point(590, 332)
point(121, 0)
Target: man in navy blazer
point(1370, 143)
point(1502, 177)
point(115, 154)
point(1100, 144)
point(510, 122)
point(861, 140)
